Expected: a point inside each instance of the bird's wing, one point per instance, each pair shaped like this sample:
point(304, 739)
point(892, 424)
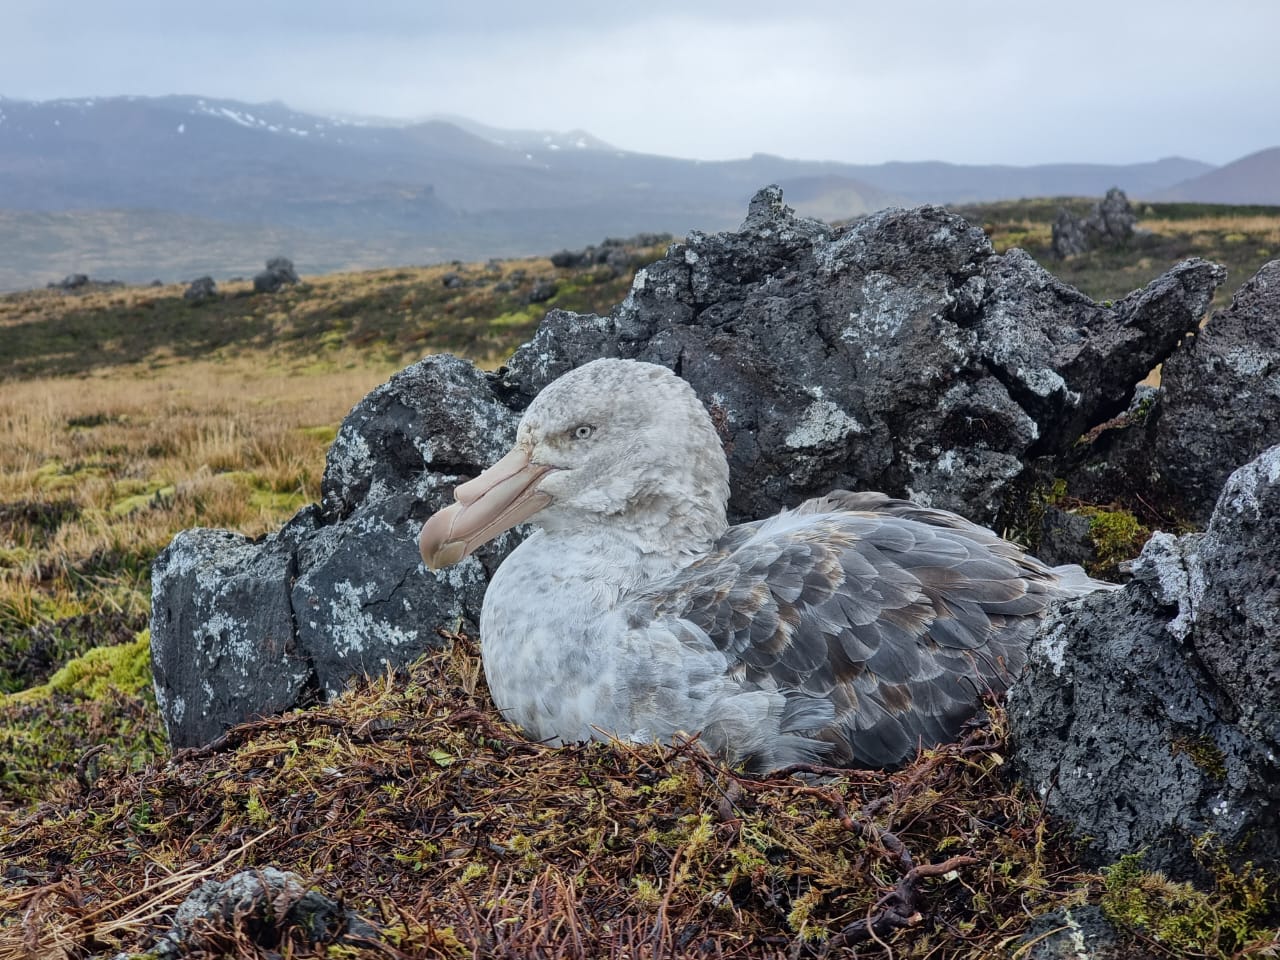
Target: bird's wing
point(897, 616)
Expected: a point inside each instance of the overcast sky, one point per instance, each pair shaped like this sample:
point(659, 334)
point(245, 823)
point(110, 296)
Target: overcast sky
point(965, 81)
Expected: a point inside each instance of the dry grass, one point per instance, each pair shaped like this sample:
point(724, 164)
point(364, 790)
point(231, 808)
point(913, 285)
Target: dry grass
point(1235, 229)
point(98, 473)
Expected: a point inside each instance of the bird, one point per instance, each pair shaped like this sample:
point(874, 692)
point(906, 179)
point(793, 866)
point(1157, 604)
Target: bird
point(850, 631)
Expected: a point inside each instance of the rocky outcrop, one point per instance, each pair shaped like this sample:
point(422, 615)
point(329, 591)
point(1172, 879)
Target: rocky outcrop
point(1111, 223)
point(1150, 717)
point(1214, 411)
point(278, 273)
point(615, 254)
point(1221, 394)
point(200, 289)
point(900, 353)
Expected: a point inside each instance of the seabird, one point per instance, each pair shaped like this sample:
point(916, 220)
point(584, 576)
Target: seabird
point(850, 630)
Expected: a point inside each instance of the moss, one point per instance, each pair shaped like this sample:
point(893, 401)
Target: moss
point(1228, 920)
point(1117, 536)
point(125, 667)
point(1204, 753)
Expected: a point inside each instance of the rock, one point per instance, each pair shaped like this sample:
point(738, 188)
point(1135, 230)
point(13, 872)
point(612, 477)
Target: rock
point(1069, 237)
point(1221, 391)
point(802, 340)
point(1149, 717)
point(279, 272)
point(543, 290)
point(240, 628)
point(266, 907)
point(1111, 223)
point(452, 280)
point(200, 290)
point(899, 354)
point(568, 258)
point(72, 281)
point(1113, 218)
point(1078, 933)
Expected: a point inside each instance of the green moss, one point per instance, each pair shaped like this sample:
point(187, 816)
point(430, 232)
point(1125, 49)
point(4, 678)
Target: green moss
point(1204, 753)
point(1117, 536)
point(126, 667)
point(1224, 922)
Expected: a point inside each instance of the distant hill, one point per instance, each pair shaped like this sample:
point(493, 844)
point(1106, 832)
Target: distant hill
point(194, 177)
point(1252, 179)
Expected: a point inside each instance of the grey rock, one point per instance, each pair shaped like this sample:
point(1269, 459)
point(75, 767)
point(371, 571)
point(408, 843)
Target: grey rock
point(803, 341)
point(1078, 933)
point(452, 280)
point(263, 906)
point(543, 290)
point(279, 272)
point(900, 354)
point(1064, 538)
point(200, 290)
point(72, 281)
point(242, 628)
point(1111, 223)
point(1149, 717)
point(1221, 394)
point(1069, 238)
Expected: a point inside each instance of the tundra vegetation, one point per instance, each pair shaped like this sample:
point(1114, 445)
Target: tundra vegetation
point(128, 414)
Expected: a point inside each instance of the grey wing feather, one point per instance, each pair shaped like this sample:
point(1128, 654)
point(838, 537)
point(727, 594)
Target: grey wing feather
point(885, 619)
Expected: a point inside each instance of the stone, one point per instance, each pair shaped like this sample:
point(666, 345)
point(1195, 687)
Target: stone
point(279, 272)
point(1220, 394)
point(266, 907)
point(1078, 933)
point(543, 290)
point(1111, 223)
point(452, 280)
point(200, 290)
point(1069, 238)
point(1150, 717)
point(241, 629)
point(898, 354)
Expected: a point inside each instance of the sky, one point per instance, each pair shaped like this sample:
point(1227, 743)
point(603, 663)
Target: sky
point(966, 81)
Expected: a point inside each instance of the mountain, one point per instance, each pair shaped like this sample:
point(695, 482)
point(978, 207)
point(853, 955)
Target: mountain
point(1254, 179)
point(197, 176)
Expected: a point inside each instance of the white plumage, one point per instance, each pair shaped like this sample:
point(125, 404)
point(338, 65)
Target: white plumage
point(849, 630)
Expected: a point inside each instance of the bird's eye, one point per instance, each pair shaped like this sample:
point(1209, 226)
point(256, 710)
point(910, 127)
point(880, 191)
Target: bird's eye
point(583, 432)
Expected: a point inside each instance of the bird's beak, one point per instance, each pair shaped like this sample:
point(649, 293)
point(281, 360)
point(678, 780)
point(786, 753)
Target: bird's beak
point(497, 500)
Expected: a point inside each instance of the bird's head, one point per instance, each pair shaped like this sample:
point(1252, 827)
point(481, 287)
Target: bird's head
point(613, 442)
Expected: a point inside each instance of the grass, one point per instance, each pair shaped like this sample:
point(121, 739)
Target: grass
point(127, 414)
point(1240, 238)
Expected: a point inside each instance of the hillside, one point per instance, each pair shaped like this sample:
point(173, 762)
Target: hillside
point(128, 414)
point(132, 187)
point(1251, 179)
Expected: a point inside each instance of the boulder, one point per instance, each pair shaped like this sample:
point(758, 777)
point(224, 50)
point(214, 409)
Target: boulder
point(200, 290)
point(1221, 391)
point(1111, 223)
point(266, 908)
point(279, 272)
point(1150, 717)
point(241, 628)
point(899, 354)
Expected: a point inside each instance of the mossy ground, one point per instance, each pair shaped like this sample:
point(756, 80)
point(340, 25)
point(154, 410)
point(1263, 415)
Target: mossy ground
point(127, 415)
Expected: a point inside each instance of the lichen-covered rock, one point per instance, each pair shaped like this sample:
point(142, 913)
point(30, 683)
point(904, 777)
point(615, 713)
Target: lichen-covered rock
point(242, 628)
point(1221, 394)
point(1078, 933)
point(266, 907)
point(200, 290)
point(1149, 717)
point(899, 354)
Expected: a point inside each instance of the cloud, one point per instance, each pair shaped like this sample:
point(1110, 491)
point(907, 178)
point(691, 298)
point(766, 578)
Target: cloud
point(975, 82)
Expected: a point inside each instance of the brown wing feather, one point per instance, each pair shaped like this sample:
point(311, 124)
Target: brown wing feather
point(899, 616)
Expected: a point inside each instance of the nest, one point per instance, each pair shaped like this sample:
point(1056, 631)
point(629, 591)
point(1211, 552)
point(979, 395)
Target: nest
point(413, 806)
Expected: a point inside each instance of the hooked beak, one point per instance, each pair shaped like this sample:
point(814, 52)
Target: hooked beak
point(497, 500)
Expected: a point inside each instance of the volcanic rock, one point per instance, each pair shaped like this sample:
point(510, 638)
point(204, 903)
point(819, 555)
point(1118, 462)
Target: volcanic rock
point(899, 354)
point(1150, 717)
